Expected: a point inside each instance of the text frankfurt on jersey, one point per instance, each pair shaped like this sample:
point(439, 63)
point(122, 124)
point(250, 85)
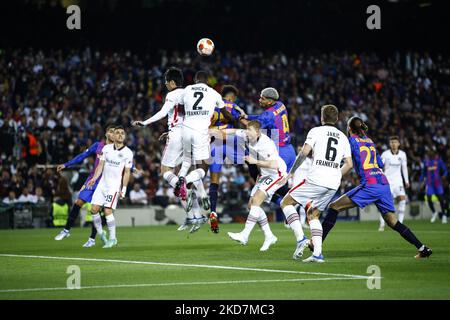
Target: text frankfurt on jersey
point(329, 164)
point(197, 113)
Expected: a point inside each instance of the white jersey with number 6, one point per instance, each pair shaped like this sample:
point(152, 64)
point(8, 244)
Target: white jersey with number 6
point(199, 102)
point(329, 146)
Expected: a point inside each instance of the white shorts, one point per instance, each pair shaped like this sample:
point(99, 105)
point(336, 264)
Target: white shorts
point(196, 145)
point(105, 197)
point(267, 184)
point(318, 195)
point(397, 190)
point(173, 151)
point(299, 176)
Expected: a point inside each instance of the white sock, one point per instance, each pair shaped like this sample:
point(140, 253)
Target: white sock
point(264, 224)
point(111, 223)
point(184, 168)
point(252, 219)
point(195, 175)
point(97, 220)
point(190, 214)
point(200, 189)
point(316, 236)
point(382, 224)
point(302, 215)
point(293, 220)
point(401, 210)
point(196, 210)
point(171, 178)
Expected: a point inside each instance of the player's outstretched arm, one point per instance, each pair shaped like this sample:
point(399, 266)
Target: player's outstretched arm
point(168, 105)
point(242, 112)
point(348, 165)
point(79, 158)
point(98, 173)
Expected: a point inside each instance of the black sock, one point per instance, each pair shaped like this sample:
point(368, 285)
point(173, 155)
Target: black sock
point(73, 215)
point(93, 232)
point(329, 222)
point(213, 195)
point(443, 204)
point(430, 204)
point(407, 234)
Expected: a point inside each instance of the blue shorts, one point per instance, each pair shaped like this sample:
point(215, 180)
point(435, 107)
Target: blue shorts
point(86, 194)
point(287, 153)
point(378, 194)
point(437, 190)
point(230, 150)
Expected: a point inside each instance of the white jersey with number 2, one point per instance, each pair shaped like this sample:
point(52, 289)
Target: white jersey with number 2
point(199, 101)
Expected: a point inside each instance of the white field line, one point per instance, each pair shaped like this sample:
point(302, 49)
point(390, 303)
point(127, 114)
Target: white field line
point(173, 284)
point(187, 265)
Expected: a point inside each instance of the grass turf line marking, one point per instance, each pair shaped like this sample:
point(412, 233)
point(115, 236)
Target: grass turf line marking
point(187, 265)
point(173, 284)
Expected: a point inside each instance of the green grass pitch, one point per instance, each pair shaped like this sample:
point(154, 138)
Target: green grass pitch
point(161, 263)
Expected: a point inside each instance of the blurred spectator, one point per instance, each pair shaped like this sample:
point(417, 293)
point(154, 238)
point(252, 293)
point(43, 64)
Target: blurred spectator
point(11, 198)
point(26, 196)
point(138, 195)
point(165, 196)
point(39, 195)
point(62, 193)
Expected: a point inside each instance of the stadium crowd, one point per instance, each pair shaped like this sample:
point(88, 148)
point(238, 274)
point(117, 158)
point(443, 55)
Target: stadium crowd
point(55, 104)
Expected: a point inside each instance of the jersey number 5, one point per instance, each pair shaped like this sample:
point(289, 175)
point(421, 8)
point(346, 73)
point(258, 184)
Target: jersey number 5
point(367, 162)
point(199, 96)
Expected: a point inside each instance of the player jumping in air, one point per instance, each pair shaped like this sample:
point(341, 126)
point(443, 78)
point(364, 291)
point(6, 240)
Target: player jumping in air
point(329, 146)
point(199, 102)
point(173, 151)
point(396, 169)
point(264, 154)
point(114, 168)
point(374, 187)
point(85, 194)
point(230, 148)
point(432, 169)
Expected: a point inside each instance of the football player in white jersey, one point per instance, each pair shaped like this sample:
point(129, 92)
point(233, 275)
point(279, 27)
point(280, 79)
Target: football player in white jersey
point(329, 146)
point(262, 152)
point(115, 165)
point(199, 102)
point(173, 151)
point(396, 166)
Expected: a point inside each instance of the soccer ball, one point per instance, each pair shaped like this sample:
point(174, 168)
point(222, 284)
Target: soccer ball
point(205, 47)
